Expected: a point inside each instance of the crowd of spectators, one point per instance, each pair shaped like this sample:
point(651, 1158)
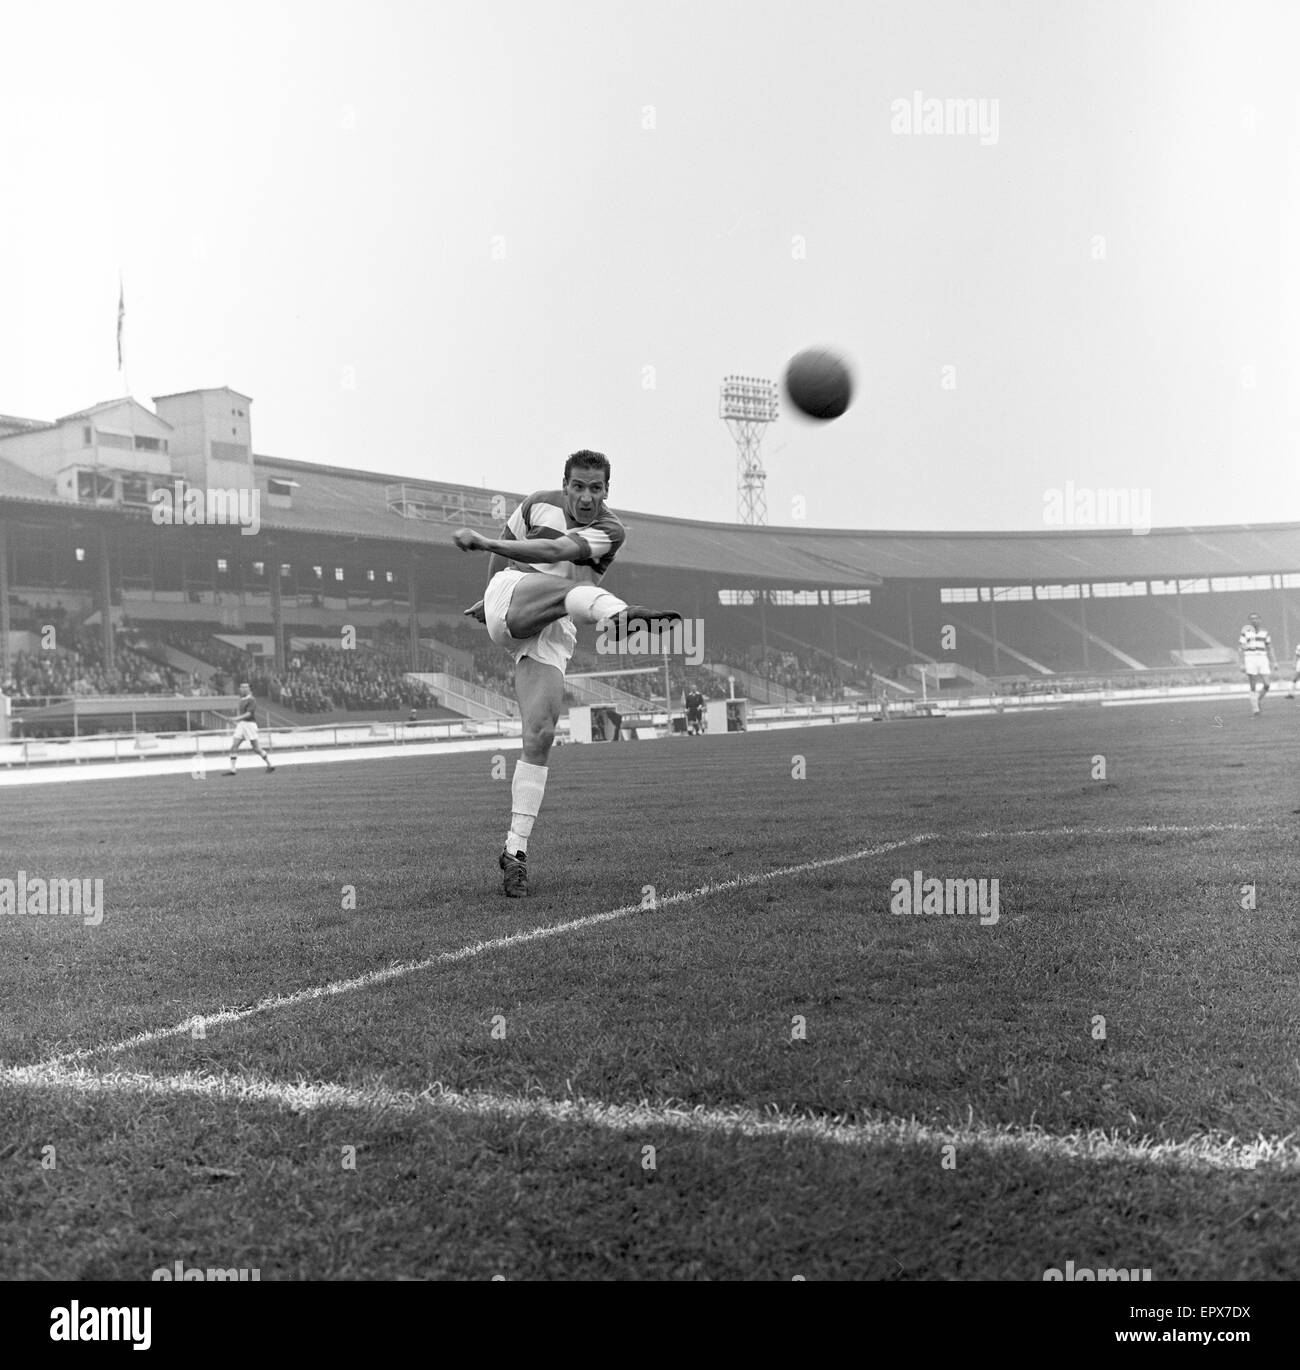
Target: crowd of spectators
point(316, 679)
point(492, 668)
point(74, 665)
point(808, 675)
point(321, 679)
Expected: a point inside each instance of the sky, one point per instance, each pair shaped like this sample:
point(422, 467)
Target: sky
point(458, 241)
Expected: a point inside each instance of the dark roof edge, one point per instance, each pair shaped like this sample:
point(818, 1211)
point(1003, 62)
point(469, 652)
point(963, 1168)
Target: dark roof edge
point(785, 530)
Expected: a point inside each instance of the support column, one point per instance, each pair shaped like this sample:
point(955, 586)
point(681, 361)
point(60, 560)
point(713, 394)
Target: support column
point(993, 629)
point(1083, 627)
point(835, 640)
point(413, 613)
point(4, 602)
point(1284, 660)
point(277, 610)
point(105, 598)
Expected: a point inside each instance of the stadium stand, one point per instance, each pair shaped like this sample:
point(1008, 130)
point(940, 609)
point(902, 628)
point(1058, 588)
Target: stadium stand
point(792, 614)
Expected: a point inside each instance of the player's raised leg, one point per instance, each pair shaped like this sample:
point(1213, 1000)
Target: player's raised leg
point(535, 601)
point(540, 689)
point(538, 599)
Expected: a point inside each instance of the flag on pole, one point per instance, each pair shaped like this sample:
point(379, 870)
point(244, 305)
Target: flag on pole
point(121, 317)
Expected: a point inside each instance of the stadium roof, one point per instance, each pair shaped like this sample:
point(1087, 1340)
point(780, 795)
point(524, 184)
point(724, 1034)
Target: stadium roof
point(335, 502)
point(15, 483)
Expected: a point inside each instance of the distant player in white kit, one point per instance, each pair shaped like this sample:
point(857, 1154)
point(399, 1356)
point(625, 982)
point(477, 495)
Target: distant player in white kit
point(544, 577)
point(1257, 661)
point(245, 721)
point(1295, 679)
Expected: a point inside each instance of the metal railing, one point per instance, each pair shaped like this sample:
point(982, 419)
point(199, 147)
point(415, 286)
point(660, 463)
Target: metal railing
point(203, 749)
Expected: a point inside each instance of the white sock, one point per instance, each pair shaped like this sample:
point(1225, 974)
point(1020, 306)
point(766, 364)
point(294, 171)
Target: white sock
point(591, 604)
point(526, 791)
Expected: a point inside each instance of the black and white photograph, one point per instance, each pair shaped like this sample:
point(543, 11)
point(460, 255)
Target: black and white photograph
point(649, 642)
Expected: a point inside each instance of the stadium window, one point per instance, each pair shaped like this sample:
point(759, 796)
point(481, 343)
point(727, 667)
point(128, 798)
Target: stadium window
point(1118, 589)
point(317, 571)
point(81, 554)
point(135, 490)
point(370, 576)
point(1059, 591)
point(223, 566)
point(1290, 580)
point(86, 436)
point(388, 576)
point(259, 568)
point(1236, 583)
point(285, 570)
point(338, 573)
point(94, 485)
point(851, 596)
point(1013, 592)
point(143, 444)
point(959, 594)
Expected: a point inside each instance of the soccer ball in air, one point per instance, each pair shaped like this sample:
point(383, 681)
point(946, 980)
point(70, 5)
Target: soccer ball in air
point(819, 384)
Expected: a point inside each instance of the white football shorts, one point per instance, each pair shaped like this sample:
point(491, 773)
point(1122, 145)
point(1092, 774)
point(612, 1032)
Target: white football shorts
point(553, 646)
point(1256, 663)
point(245, 732)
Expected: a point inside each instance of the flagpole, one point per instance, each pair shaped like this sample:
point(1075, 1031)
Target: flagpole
point(121, 332)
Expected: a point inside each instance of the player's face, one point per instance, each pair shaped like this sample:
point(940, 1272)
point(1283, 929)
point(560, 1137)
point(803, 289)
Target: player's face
point(585, 493)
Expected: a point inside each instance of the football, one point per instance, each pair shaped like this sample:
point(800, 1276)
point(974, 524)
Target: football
point(819, 384)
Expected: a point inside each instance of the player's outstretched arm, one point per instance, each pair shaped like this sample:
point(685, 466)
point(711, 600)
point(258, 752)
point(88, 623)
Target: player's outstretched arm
point(534, 551)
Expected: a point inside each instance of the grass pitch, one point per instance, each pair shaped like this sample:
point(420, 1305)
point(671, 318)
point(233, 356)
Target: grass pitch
point(770, 1075)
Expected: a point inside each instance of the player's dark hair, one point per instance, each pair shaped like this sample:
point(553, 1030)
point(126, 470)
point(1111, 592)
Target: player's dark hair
point(587, 458)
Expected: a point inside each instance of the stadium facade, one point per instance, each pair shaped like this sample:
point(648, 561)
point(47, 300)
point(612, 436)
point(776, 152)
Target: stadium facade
point(120, 512)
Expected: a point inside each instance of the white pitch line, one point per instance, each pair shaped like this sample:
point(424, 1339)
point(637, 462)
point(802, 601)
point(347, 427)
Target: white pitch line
point(379, 977)
point(1137, 830)
point(1204, 1152)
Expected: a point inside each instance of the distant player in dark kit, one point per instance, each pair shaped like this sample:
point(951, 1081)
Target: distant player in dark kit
point(245, 721)
point(694, 712)
point(544, 574)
